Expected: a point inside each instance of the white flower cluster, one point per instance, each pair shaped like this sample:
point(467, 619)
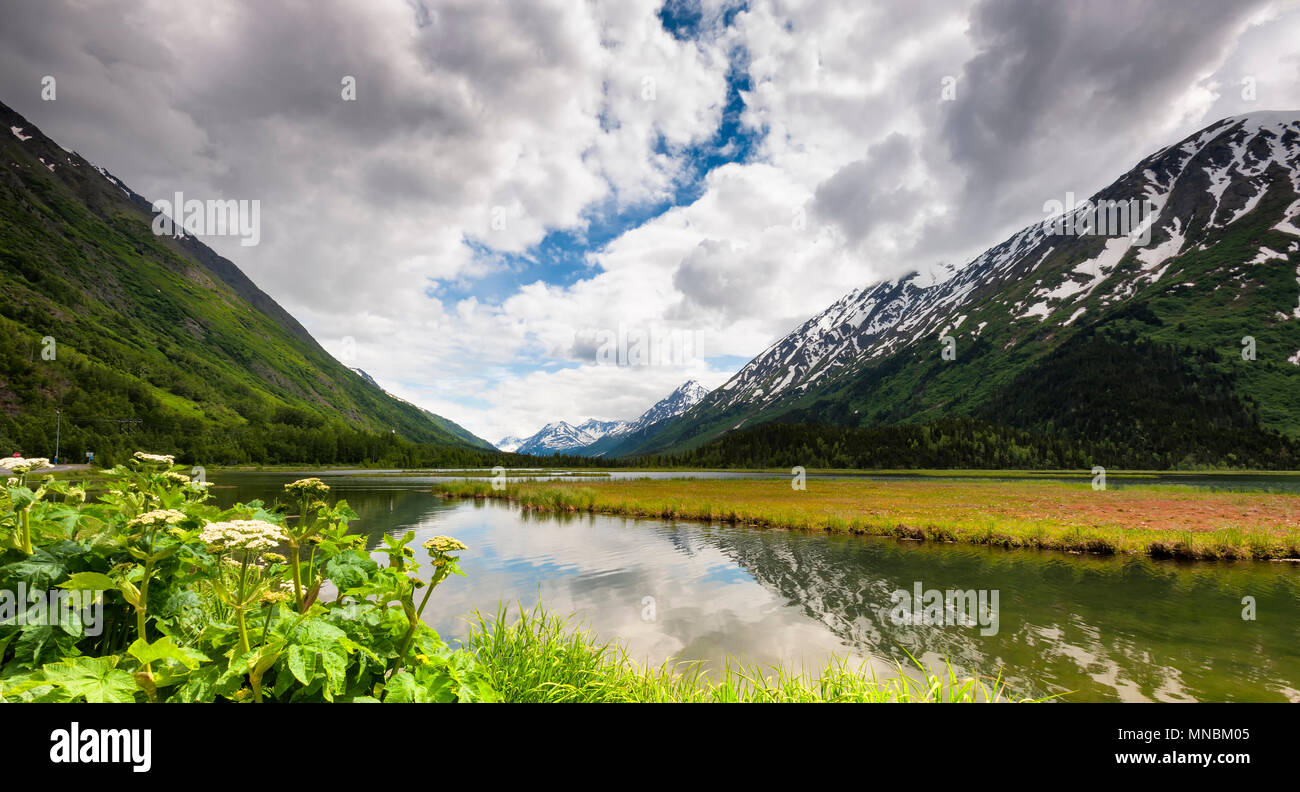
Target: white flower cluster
point(243, 535)
point(157, 517)
point(21, 465)
point(163, 459)
point(176, 478)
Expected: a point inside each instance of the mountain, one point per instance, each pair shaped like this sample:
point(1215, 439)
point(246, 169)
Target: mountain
point(1129, 344)
point(561, 437)
point(599, 429)
point(442, 423)
point(674, 404)
point(369, 379)
point(645, 428)
point(455, 429)
point(509, 444)
point(595, 438)
point(151, 341)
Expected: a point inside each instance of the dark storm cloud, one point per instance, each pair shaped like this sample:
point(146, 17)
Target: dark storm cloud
point(1067, 88)
point(869, 191)
point(1103, 66)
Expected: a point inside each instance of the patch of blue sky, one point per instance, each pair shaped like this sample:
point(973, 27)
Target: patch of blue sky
point(564, 256)
point(726, 574)
point(726, 362)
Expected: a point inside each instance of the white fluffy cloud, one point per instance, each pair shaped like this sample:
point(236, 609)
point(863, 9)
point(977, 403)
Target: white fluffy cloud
point(482, 125)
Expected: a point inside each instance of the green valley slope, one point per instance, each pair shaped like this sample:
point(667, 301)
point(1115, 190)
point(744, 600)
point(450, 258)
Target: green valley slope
point(159, 343)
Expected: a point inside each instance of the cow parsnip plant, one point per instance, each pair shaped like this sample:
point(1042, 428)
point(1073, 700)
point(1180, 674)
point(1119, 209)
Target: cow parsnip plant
point(201, 604)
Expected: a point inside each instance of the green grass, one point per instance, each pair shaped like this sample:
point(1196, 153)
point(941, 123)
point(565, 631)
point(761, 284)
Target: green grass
point(513, 474)
point(541, 657)
point(1162, 521)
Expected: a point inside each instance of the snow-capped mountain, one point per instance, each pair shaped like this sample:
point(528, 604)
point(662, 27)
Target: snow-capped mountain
point(561, 437)
point(552, 438)
point(509, 443)
point(650, 422)
point(671, 406)
point(1220, 206)
point(369, 379)
point(594, 437)
point(599, 429)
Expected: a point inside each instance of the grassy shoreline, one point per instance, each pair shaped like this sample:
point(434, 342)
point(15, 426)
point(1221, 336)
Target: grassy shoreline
point(1162, 521)
point(540, 657)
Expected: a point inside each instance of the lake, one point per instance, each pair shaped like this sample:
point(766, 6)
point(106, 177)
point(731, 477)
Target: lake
point(1094, 628)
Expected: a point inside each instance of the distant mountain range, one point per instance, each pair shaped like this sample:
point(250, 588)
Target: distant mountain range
point(1131, 343)
point(561, 437)
point(151, 341)
point(598, 438)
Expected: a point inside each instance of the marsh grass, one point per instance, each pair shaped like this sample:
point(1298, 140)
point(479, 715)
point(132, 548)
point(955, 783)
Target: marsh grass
point(1038, 515)
point(541, 657)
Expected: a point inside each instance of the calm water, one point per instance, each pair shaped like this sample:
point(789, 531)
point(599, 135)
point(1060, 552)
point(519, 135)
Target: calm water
point(1105, 628)
point(1254, 482)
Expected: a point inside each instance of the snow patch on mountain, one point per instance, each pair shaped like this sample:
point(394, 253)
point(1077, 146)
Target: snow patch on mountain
point(560, 437)
point(369, 379)
point(674, 404)
point(1231, 162)
point(509, 444)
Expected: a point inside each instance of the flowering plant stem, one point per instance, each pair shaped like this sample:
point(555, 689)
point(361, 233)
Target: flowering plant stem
point(304, 531)
point(294, 564)
point(414, 615)
point(239, 607)
point(141, 608)
point(25, 520)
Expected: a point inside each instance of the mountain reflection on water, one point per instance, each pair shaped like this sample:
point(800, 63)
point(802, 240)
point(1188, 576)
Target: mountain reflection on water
point(1101, 628)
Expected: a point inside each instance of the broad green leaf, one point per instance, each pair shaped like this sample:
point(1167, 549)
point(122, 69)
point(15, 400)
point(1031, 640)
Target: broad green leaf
point(21, 498)
point(96, 679)
point(200, 687)
point(403, 689)
point(41, 643)
point(350, 568)
point(165, 649)
point(89, 581)
point(39, 570)
point(319, 634)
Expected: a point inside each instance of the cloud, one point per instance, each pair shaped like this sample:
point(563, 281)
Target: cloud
point(481, 127)
point(869, 192)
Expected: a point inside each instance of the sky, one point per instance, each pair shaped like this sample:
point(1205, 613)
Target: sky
point(476, 201)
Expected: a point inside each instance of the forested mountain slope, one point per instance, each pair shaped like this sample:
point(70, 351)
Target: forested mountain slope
point(1129, 345)
point(156, 342)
